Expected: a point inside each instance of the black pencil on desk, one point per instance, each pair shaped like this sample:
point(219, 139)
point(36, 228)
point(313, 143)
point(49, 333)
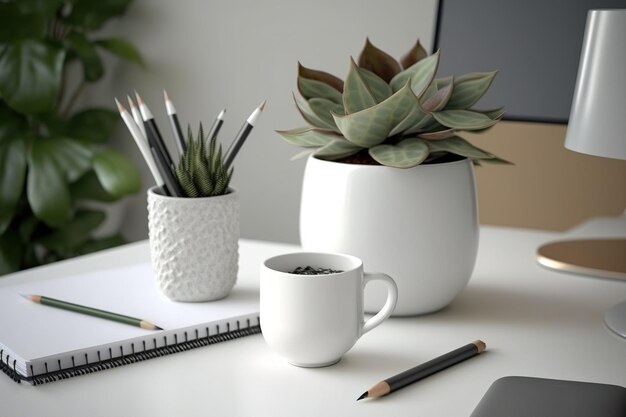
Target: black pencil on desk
point(77, 308)
point(176, 130)
point(424, 370)
point(234, 147)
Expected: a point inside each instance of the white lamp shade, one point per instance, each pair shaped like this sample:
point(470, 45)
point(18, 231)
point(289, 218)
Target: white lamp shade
point(597, 122)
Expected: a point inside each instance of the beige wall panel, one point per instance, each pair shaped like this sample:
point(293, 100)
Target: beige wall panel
point(549, 187)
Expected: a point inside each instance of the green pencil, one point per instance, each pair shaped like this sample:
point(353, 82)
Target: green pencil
point(40, 299)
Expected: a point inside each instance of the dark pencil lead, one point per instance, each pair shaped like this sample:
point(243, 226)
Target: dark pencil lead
point(158, 328)
point(364, 395)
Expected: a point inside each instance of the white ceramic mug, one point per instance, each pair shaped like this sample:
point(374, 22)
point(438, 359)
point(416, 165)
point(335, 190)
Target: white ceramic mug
point(312, 320)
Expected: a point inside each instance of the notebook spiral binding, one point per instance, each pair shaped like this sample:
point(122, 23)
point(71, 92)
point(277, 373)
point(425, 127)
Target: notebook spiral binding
point(8, 367)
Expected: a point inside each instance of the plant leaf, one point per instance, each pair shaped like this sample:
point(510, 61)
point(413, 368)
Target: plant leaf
point(93, 125)
point(371, 126)
point(356, 94)
point(440, 134)
point(75, 233)
point(405, 154)
point(96, 245)
point(308, 137)
point(18, 24)
point(414, 55)
point(412, 119)
point(420, 75)
point(116, 173)
point(463, 119)
point(93, 69)
point(91, 15)
point(323, 109)
point(377, 86)
point(46, 187)
point(459, 146)
point(302, 154)
point(337, 149)
point(122, 48)
point(322, 76)
point(469, 88)
point(12, 176)
point(88, 187)
point(439, 100)
point(30, 75)
point(378, 61)
point(313, 88)
point(71, 156)
point(309, 115)
point(495, 114)
point(10, 252)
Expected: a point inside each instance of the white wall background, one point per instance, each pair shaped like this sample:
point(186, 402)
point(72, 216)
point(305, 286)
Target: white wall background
point(233, 54)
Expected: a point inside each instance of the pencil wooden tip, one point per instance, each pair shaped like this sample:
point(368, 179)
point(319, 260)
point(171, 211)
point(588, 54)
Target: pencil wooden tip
point(120, 107)
point(262, 105)
point(131, 103)
point(480, 345)
point(165, 96)
point(139, 100)
point(364, 395)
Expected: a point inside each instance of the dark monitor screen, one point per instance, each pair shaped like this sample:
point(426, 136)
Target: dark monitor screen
point(534, 44)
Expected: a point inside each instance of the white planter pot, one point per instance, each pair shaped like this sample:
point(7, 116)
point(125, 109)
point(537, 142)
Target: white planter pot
point(194, 244)
point(419, 225)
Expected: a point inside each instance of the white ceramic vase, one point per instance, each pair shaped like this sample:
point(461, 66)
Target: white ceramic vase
point(419, 225)
point(194, 244)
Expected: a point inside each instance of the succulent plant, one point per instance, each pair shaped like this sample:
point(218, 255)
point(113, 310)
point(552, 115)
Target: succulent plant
point(397, 112)
point(201, 171)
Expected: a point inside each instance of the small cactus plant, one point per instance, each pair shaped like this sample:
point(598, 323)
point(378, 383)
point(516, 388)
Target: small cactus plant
point(396, 113)
point(201, 171)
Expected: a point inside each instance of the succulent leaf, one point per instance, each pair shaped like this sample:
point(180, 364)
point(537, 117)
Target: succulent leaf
point(405, 154)
point(463, 119)
point(371, 126)
point(323, 108)
point(439, 100)
point(322, 76)
point(307, 136)
point(411, 120)
point(495, 114)
point(459, 146)
point(302, 154)
point(356, 93)
point(415, 54)
point(309, 115)
point(420, 74)
point(377, 86)
point(378, 61)
point(312, 88)
point(337, 149)
point(469, 88)
point(440, 134)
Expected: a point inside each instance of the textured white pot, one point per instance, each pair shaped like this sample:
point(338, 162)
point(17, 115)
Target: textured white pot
point(194, 244)
point(419, 225)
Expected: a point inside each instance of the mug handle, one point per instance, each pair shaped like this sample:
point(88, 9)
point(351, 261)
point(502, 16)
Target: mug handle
point(390, 304)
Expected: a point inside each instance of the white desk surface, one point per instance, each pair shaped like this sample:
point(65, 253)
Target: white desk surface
point(535, 323)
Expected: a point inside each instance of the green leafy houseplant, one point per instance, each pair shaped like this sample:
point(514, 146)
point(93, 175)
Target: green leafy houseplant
point(201, 171)
point(53, 158)
point(391, 113)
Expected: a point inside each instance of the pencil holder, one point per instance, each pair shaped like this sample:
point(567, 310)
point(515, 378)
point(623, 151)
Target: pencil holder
point(194, 244)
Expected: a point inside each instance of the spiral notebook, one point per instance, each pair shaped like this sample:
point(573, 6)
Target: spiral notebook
point(41, 344)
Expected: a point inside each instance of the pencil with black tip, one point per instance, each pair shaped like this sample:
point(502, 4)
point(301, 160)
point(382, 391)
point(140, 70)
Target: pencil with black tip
point(174, 123)
point(153, 130)
point(424, 370)
point(142, 144)
point(247, 127)
point(90, 311)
